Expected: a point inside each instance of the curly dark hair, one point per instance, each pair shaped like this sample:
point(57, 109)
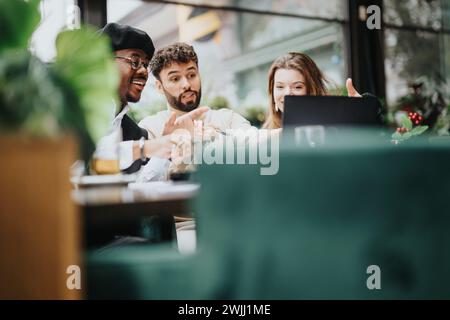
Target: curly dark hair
point(178, 52)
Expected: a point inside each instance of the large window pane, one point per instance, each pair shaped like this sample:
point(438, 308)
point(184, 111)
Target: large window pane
point(236, 56)
point(313, 8)
point(419, 13)
point(55, 16)
point(416, 54)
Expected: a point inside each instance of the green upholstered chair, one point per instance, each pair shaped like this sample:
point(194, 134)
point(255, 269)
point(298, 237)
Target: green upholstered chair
point(309, 232)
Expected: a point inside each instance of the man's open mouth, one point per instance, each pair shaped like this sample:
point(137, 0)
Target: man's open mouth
point(139, 82)
point(188, 95)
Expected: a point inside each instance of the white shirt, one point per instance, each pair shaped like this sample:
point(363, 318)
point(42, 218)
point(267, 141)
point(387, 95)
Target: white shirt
point(112, 147)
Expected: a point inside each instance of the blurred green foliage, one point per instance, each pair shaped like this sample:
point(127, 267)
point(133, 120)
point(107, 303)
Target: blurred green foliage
point(219, 102)
point(256, 115)
point(18, 20)
point(428, 98)
point(338, 91)
point(75, 93)
point(84, 60)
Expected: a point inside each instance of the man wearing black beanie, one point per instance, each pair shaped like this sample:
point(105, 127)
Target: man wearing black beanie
point(133, 49)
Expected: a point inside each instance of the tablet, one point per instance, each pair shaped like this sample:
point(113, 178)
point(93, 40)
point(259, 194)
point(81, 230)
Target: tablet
point(331, 110)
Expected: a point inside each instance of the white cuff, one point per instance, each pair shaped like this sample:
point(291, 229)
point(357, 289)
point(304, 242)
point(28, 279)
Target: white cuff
point(125, 154)
point(155, 170)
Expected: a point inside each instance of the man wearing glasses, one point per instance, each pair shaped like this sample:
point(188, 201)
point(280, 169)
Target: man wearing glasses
point(132, 49)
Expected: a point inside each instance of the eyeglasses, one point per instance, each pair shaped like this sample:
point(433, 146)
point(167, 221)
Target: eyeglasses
point(135, 62)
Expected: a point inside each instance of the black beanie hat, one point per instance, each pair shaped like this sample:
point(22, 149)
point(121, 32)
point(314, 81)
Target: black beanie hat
point(126, 37)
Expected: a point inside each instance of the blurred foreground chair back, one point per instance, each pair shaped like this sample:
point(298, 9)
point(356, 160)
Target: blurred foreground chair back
point(317, 228)
point(313, 231)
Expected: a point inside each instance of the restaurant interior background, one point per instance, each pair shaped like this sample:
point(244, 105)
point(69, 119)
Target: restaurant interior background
point(406, 64)
point(238, 43)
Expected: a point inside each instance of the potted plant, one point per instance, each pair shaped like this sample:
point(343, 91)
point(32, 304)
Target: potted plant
point(48, 113)
point(426, 106)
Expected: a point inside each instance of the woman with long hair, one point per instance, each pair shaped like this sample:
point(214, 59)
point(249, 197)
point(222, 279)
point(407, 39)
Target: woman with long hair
point(295, 74)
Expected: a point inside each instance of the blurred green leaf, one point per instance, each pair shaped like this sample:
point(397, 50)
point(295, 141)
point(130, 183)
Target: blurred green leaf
point(30, 99)
point(407, 135)
point(397, 136)
point(84, 60)
point(419, 130)
point(18, 20)
point(406, 122)
point(76, 93)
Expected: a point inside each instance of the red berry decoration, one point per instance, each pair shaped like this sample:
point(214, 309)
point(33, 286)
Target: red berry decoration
point(402, 130)
point(415, 118)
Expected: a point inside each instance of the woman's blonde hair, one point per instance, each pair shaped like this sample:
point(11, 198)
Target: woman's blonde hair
point(315, 82)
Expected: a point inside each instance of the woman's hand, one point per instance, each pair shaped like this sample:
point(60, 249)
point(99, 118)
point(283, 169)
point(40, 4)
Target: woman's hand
point(351, 89)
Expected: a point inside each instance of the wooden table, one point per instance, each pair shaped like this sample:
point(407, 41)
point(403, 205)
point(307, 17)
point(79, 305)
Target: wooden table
point(120, 210)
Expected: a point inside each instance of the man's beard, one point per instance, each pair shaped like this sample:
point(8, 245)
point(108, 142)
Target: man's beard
point(175, 102)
